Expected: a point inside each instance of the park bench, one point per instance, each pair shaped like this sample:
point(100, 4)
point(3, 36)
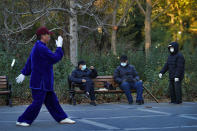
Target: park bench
point(99, 83)
point(5, 89)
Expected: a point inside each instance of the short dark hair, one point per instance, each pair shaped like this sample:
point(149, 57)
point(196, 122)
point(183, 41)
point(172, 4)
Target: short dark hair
point(123, 58)
point(81, 62)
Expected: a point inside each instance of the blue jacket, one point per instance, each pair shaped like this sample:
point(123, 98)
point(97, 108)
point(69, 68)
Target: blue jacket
point(40, 66)
point(77, 75)
point(175, 63)
point(127, 73)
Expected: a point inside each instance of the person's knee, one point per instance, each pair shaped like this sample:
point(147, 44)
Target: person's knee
point(125, 86)
point(139, 85)
point(89, 83)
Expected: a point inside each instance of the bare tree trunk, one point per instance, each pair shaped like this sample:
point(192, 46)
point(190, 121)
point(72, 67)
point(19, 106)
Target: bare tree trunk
point(42, 20)
point(73, 33)
point(66, 45)
point(113, 37)
point(148, 26)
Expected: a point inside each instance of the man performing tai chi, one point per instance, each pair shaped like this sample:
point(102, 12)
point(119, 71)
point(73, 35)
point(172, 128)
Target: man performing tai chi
point(40, 66)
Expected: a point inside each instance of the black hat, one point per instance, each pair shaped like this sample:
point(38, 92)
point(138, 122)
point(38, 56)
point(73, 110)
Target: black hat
point(81, 62)
point(123, 58)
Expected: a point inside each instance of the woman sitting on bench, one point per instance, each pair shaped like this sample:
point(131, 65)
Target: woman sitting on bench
point(83, 76)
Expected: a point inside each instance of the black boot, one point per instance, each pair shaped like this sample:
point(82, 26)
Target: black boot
point(93, 103)
point(172, 102)
point(179, 102)
point(130, 102)
point(140, 102)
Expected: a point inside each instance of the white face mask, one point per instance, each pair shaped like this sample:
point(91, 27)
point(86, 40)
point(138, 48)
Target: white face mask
point(171, 49)
point(123, 64)
point(83, 67)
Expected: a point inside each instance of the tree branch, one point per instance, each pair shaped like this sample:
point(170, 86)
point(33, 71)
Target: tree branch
point(140, 6)
point(125, 12)
point(164, 10)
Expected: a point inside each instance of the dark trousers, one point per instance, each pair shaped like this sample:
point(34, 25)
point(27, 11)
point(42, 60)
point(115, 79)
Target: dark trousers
point(126, 87)
point(175, 91)
point(51, 102)
point(88, 86)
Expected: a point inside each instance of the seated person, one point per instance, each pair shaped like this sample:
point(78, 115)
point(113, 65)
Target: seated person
point(128, 79)
point(83, 76)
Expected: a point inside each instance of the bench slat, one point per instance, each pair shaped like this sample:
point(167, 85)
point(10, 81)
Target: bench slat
point(100, 91)
point(3, 86)
point(101, 80)
point(4, 92)
point(2, 77)
point(3, 83)
point(104, 77)
point(3, 80)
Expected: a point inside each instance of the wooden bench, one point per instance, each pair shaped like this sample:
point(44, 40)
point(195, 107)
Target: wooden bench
point(5, 89)
point(98, 84)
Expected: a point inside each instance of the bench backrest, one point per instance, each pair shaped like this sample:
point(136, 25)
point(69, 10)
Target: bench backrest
point(3, 82)
point(99, 81)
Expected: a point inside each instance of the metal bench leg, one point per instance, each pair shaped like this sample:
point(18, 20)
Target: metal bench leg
point(10, 95)
point(9, 100)
point(73, 99)
point(70, 97)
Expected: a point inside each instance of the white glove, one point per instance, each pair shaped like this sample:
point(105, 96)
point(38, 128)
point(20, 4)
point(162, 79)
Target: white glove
point(176, 79)
point(20, 78)
point(59, 41)
point(160, 75)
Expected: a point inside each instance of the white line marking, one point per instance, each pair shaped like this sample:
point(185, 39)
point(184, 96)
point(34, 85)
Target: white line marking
point(157, 128)
point(122, 117)
point(15, 121)
point(188, 116)
point(153, 111)
point(98, 124)
point(45, 110)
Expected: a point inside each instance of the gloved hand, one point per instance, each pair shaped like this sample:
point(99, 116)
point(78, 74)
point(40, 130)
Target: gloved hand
point(20, 78)
point(176, 79)
point(160, 75)
point(59, 41)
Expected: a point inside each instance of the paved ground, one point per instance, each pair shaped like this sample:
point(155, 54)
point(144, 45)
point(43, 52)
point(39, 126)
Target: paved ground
point(108, 117)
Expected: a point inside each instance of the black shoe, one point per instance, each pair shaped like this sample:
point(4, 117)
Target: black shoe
point(93, 103)
point(131, 102)
point(178, 102)
point(172, 102)
point(140, 102)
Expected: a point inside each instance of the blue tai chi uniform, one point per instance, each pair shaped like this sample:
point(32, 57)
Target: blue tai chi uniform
point(40, 66)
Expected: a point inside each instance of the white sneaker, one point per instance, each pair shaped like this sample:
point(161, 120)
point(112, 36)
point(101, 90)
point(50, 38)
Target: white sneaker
point(22, 124)
point(67, 121)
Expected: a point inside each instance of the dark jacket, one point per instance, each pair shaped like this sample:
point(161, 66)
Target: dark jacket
point(77, 75)
point(175, 63)
point(127, 73)
point(40, 66)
